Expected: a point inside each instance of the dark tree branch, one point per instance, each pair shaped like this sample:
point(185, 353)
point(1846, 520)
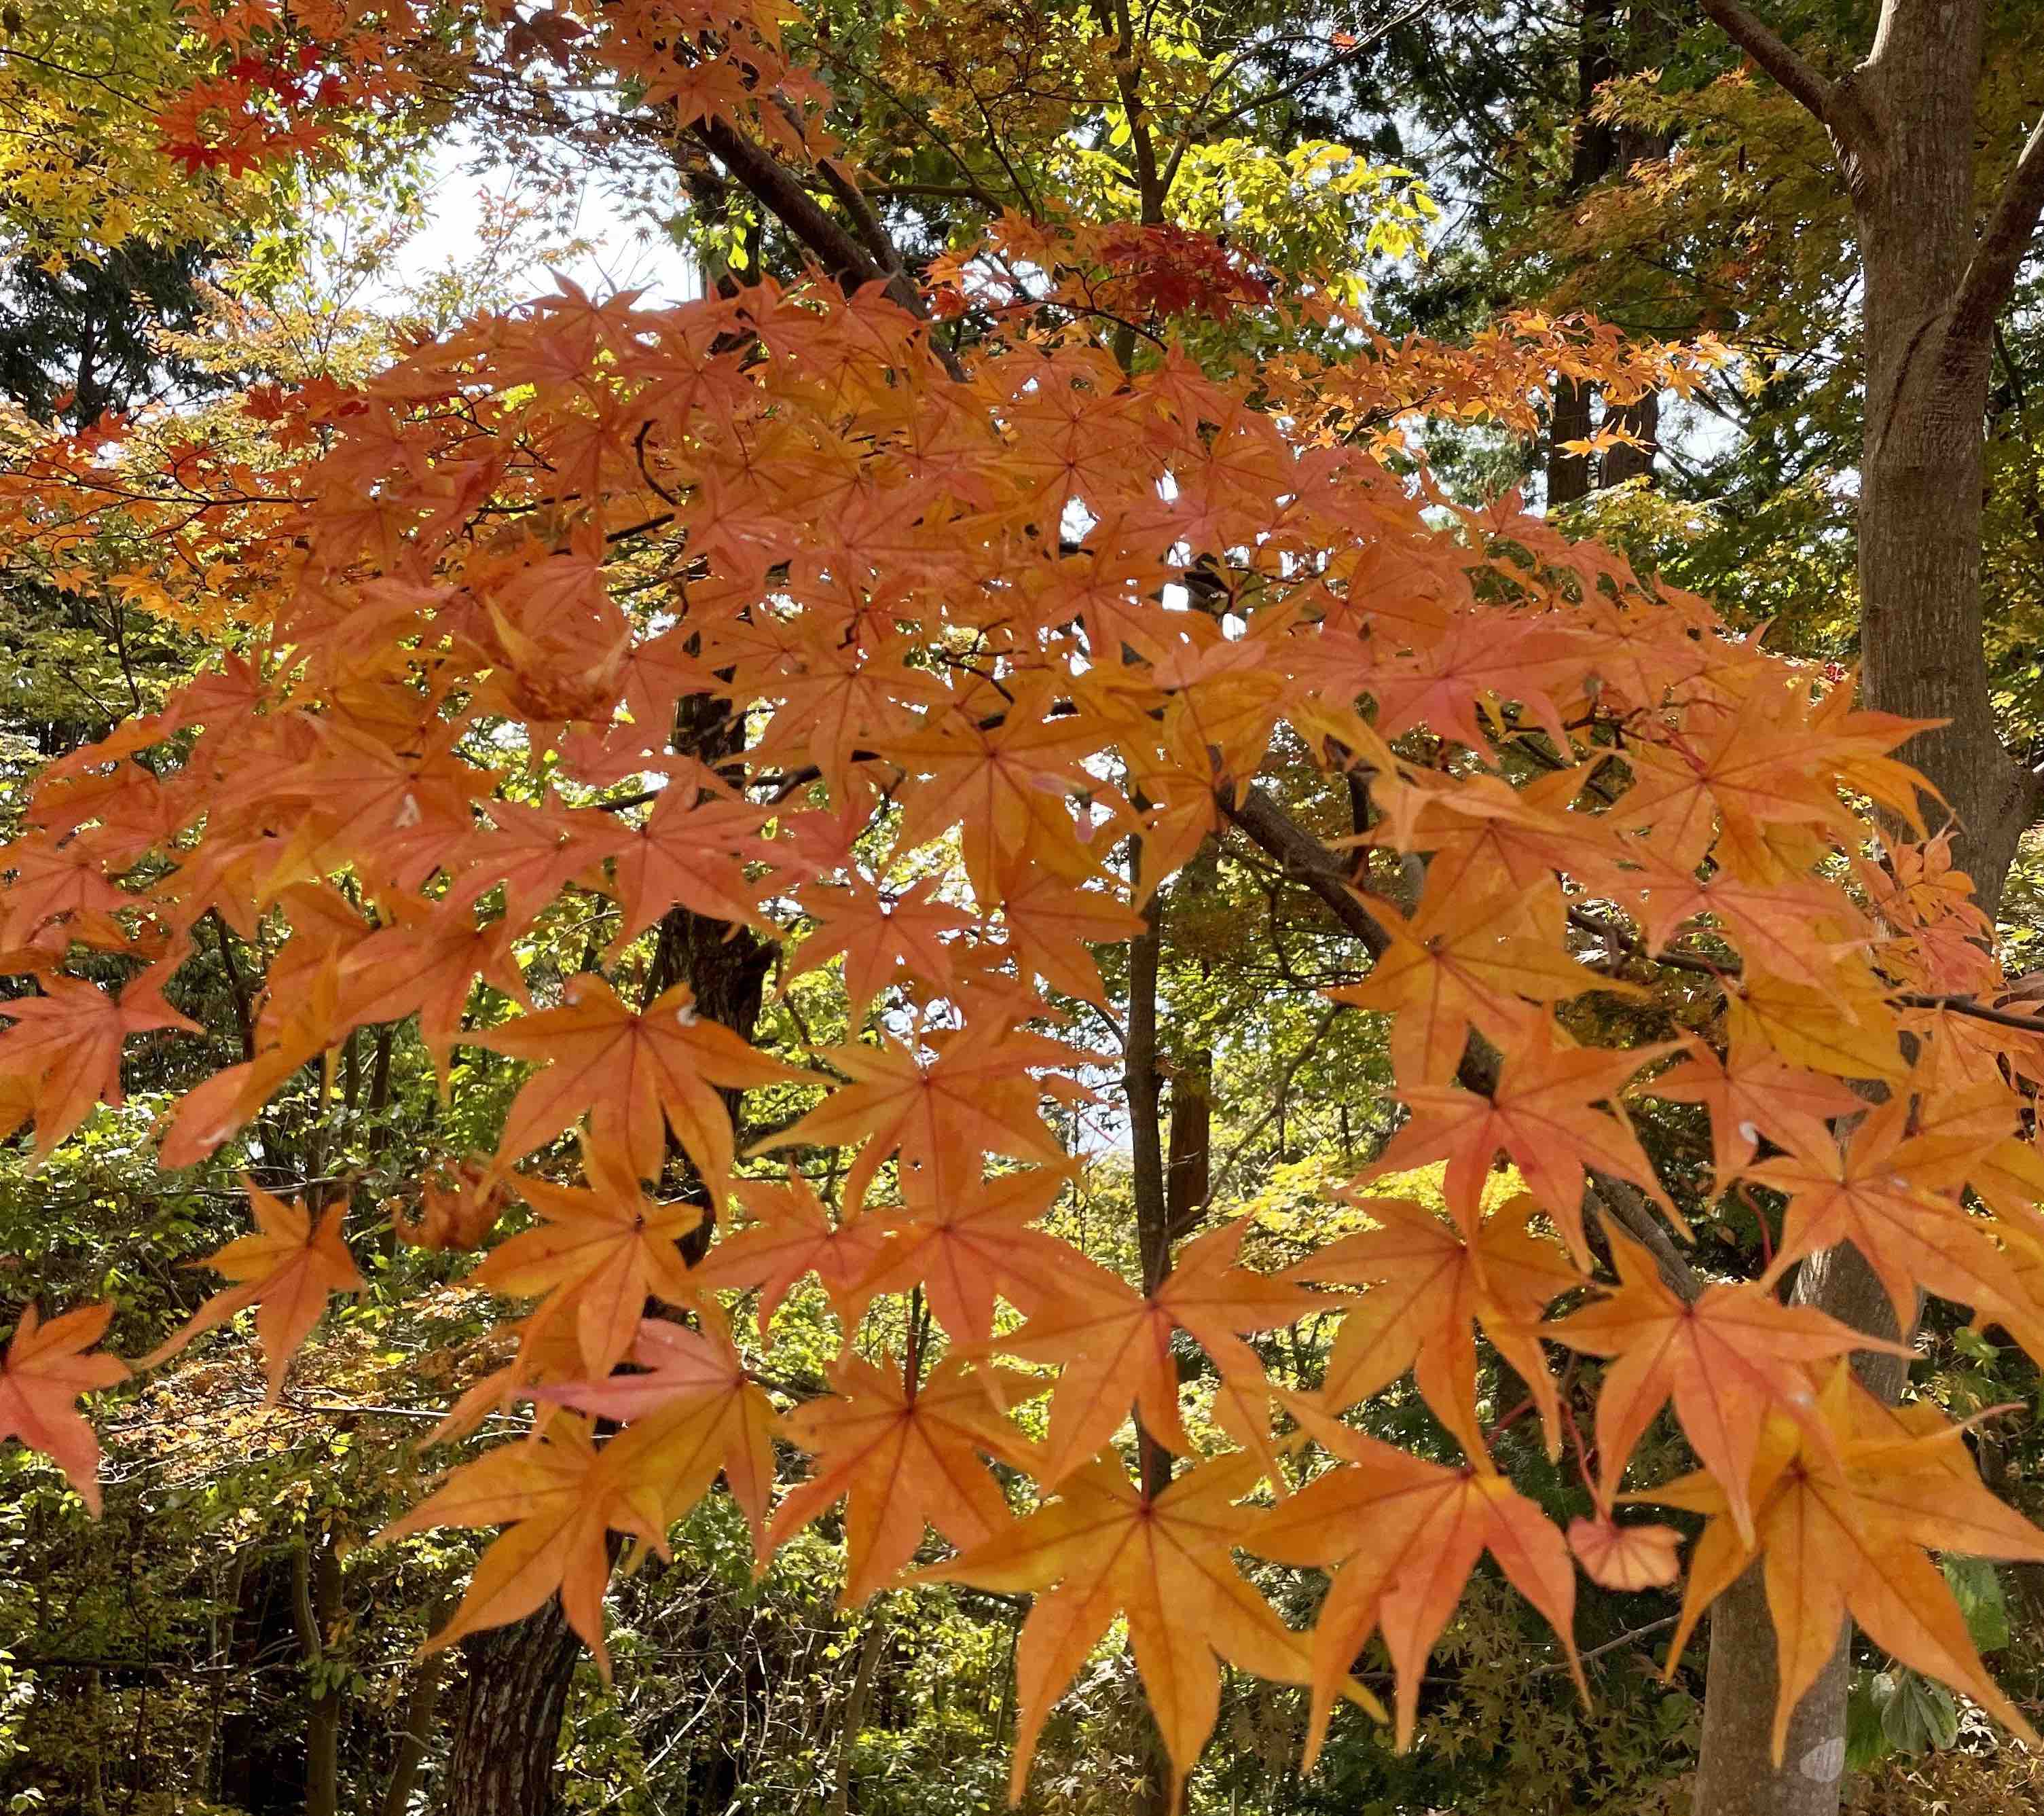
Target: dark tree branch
point(1306, 860)
point(1990, 274)
point(1834, 103)
point(783, 194)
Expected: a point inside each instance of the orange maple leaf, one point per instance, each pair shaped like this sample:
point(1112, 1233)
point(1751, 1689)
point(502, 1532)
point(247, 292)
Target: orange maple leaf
point(1428, 1288)
point(899, 1455)
point(944, 1102)
point(1892, 1195)
point(68, 1042)
point(1468, 961)
point(1115, 1343)
point(1630, 1557)
point(628, 1070)
point(598, 1252)
point(880, 935)
point(44, 1372)
point(1541, 1112)
point(967, 1250)
point(1103, 1548)
point(695, 1412)
point(792, 1233)
point(560, 1495)
point(286, 1270)
point(1840, 1527)
point(1729, 1361)
point(1750, 1093)
point(1405, 1534)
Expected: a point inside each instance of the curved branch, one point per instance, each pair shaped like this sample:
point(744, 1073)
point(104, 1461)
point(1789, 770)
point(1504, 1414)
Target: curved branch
point(1990, 274)
point(1832, 102)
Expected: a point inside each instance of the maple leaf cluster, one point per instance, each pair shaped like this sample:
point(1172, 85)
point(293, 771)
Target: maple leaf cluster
point(932, 667)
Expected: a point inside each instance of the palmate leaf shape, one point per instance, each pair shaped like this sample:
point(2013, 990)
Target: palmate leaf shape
point(899, 1455)
point(287, 1270)
point(1051, 925)
point(431, 965)
point(1756, 765)
point(693, 1413)
point(943, 1103)
point(1731, 1360)
point(1114, 1344)
point(1840, 1527)
point(793, 1233)
point(969, 1249)
point(634, 1074)
point(1893, 1195)
point(1428, 1288)
point(1751, 1093)
point(1003, 786)
point(1103, 1548)
point(67, 1043)
point(560, 1496)
point(1403, 1534)
point(1777, 927)
point(43, 1372)
point(597, 1255)
point(690, 854)
point(1542, 1113)
point(1466, 961)
point(880, 937)
point(531, 853)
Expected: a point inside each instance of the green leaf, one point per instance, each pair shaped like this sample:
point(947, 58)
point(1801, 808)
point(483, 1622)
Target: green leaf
point(1916, 1715)
point(1866, 1739)
point(1975, 1587)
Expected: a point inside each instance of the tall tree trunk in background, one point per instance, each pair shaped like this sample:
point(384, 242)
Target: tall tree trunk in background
point(315, 1604)
point(1927, 353)
point(1569, 473)
point(1650, 33)
point(1902, 127)
point(416, 1729)
point(507, 1720)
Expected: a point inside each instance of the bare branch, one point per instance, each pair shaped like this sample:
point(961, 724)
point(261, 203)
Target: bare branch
point(1305, 858)
point(1832, 102)
point(782, 193)
point(1990, 274)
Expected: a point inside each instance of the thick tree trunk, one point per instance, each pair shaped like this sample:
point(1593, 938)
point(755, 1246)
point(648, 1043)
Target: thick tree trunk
point(1737, 1775)
point(1920, 476)
point(1903, 127)
point(1622, 461)
point(507, 1718)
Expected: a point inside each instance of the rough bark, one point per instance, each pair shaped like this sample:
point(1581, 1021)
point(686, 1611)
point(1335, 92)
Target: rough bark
point(1736, 1775)
point(507, 1718)
point(1920, 478)
point(1622, 461)
point(1902, 126)
point(1570, 475)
